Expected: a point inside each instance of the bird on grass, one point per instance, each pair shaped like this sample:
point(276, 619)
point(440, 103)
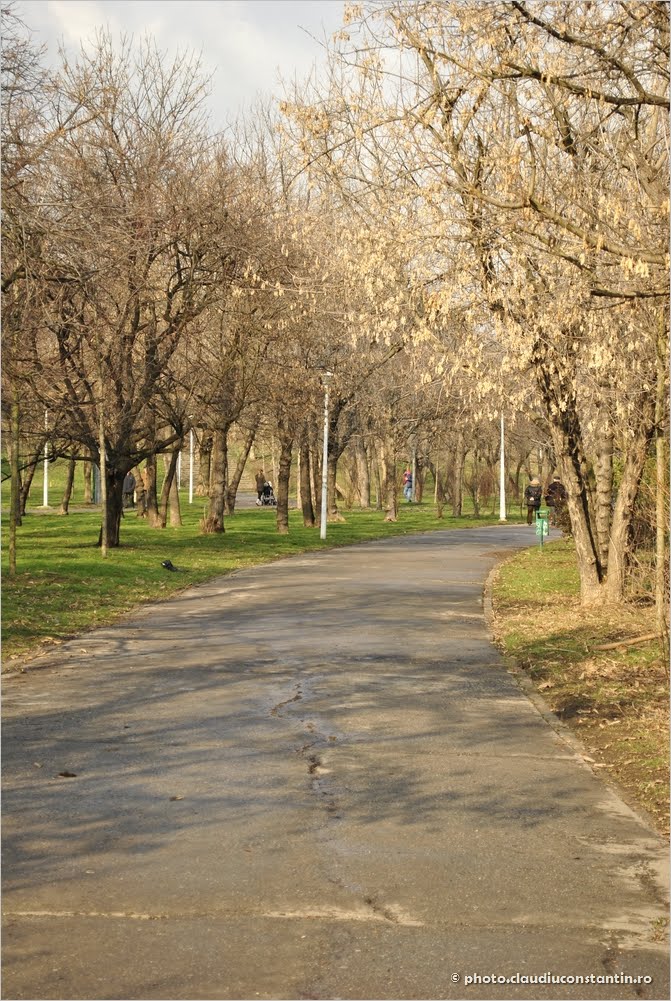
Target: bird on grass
point(169, 565)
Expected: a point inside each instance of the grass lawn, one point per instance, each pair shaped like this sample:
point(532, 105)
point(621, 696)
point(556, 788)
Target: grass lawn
point(616, 700)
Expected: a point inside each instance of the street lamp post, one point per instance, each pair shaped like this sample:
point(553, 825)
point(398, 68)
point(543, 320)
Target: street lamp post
point(45, 485)
point(191, 467)
point(502, 478)
point(326, 380)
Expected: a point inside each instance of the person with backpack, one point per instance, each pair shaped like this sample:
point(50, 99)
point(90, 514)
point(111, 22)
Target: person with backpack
point(532, 498)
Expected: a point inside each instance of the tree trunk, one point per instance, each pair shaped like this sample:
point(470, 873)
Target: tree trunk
point(558, 396)
point(632, 472)
point(604, 494)
point(375, 462)
point(331, 489)
point(315, 479)
point(110, 529)
point(204, 462)
point(388, 464)
point(27, 481)
point(569, 459)
point(214, 521)
point(283, 479)
point(106, 537)
point(458, 475)
point(661, 487)
point(439, 489)
point(67, 492)
point(306, 493)
point(15, 483)
point(140, 494)
point(88, 473)
point(175, 506)
point(474, 488)
point(232, 488)
point(363, 472)
point(150, 488)
point(273, 458)
point(168, 481)
point(419, 481)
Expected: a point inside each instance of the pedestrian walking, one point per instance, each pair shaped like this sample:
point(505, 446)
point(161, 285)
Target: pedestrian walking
point(128, 490)
point(556, 498)
point(407, 484)
point(260, 484)
point(532, 498)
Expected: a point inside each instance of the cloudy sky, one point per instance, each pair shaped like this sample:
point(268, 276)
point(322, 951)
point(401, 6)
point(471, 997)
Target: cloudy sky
point(247, 44)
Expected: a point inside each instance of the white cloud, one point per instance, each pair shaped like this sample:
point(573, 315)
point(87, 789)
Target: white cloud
point(246, 44)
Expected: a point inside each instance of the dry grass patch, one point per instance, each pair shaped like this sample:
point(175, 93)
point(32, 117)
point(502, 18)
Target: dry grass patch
point(617, 700)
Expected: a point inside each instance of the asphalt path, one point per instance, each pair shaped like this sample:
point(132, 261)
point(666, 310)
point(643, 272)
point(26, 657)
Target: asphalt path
point(315, 779)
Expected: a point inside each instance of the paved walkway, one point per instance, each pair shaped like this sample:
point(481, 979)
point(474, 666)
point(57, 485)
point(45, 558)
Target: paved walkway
point(314, 780)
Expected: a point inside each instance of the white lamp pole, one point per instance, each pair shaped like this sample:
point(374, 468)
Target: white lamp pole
point(190, 467)
point(502, 480)
point(326, 379)
point(45, 487)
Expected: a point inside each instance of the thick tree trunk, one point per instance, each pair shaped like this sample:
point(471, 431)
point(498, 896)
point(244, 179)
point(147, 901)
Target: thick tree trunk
point(632, 472)
point(283, 479)
point(150, 488)
point(234, 483)
point(67, 492)
point(113, 507)
point(604, 494)
point(168, 481)
point(204, 462)
point(331, 488)
point(214, 521)
point(661, 488)
point(140, 494)
point(570, 462)
point(305, 490)
point(558, 397)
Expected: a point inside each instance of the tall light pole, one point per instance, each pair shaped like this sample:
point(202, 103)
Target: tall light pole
point(326, 380)
point(191, 467)
point(502, 478)
point(45, 487)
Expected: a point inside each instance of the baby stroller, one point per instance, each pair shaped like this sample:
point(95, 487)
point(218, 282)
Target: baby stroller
point(268, 498)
